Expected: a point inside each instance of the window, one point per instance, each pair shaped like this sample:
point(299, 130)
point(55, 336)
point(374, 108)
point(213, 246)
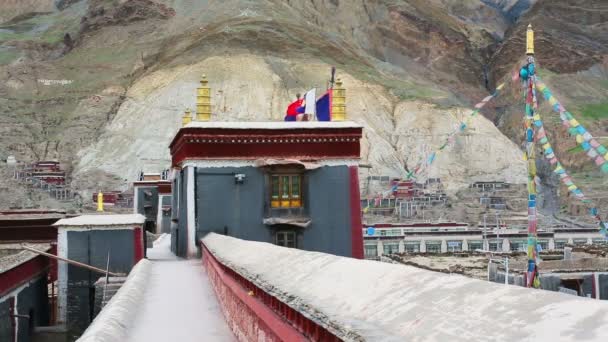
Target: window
point(454, 246)
point(394, 232)
point(475, 245)
point(286, 191)
point(495, 245)
point(286, 239)
point(560, 244)
point(599, 241)
point(433, 247)
point(412, 246)
point(371, 250)
point(578, 242)
point(391, 247)
point(544, 244)
point(518, 245)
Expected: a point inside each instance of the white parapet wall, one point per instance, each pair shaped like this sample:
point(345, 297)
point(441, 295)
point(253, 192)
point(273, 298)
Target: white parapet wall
point(112, 324)
point(375, 301)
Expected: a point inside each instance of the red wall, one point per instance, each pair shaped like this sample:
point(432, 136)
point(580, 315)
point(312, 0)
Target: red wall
point(23, 273)
point(254, 315)
point(138, 244)
point(355, 214)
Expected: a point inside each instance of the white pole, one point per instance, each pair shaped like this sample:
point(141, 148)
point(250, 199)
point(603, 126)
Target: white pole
point(489, 262)
point(506, 270)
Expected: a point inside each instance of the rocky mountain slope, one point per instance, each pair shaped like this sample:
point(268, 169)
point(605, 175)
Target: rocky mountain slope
point(101, 84)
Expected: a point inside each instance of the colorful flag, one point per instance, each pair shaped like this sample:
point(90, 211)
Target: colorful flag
point(323, 106)
point(310, 102)
point(294, 109)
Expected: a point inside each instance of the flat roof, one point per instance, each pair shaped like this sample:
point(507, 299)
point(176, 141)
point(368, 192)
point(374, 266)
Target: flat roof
point(389, 302)
point(102, 220)
point(273, 124)
point(13, 254)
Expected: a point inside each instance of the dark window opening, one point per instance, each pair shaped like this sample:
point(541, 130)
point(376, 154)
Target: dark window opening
point(149, 226)
point(572, 284)
point(286, 239)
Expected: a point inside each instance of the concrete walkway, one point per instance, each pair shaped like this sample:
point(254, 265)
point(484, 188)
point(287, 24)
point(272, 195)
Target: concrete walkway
point(180, 304)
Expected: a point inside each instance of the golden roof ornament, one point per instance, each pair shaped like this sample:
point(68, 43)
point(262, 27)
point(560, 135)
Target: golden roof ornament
point(203, 100)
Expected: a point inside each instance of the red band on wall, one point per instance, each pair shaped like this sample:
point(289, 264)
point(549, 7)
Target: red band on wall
point(138, 245)
point(355, 214)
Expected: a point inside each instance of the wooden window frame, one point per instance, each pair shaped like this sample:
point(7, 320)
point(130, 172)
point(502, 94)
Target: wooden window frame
point(277, 199)
point(285, 233)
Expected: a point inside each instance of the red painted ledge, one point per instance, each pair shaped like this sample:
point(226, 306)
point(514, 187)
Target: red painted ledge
point(253, 313)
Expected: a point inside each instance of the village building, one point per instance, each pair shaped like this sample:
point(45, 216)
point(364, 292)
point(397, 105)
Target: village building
point(152, 199)
point(24, 291)
point(444, 237)
point(293, 184)
point(32, 225)
point(114, 243)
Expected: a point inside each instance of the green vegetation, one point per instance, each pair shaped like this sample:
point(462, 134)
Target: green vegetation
point(7, 56)
point(42, 27)
point(576, 149)
point(596, 111)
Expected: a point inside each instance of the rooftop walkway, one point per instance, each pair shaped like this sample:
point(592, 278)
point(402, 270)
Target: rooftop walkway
point(179, 303)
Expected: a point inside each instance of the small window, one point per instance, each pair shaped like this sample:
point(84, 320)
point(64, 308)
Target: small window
point(433, 247)
point(580, 242)
point(412, 246)
point(475, 245)
point(518, 245)
point(454, 246)
point(391, 247)
point(495, 245)
point(286, 191)
point(560, 244)
point(286, 239)
point(371, 250)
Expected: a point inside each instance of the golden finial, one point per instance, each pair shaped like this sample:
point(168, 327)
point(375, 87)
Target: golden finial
point(187, 118)
point(100, 201)
point(338, 102)
point(529, 41)
point(203, 100)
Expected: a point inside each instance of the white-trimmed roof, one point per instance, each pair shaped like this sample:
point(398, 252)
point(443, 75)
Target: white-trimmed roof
point(273, 124)
point(386, 302)
point(102, 220)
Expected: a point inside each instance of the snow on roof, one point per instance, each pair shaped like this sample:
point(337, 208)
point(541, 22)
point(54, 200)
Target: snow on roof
point(273, 124)
point(102, 220)
point(115, 320)
point(390, 302)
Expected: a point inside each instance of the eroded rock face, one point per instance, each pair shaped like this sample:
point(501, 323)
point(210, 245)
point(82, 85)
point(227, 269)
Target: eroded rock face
point(397, 133)
point(10, 9)
point(123, 14)
point(570, 36)
point(409, 67)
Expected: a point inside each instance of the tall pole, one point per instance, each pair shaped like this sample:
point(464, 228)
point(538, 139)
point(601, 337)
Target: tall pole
point(527, 74)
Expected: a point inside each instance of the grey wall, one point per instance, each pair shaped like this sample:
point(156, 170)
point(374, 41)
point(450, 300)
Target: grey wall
point(179, 234)
point(92, 247)
point(166, 219)
point(241, 208)
point(33, 297)
point(552, 283)
point(147, 202)
point(175, 212)
point(603, 286)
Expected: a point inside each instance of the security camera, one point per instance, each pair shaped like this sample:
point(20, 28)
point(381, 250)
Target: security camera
point(239, 178)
